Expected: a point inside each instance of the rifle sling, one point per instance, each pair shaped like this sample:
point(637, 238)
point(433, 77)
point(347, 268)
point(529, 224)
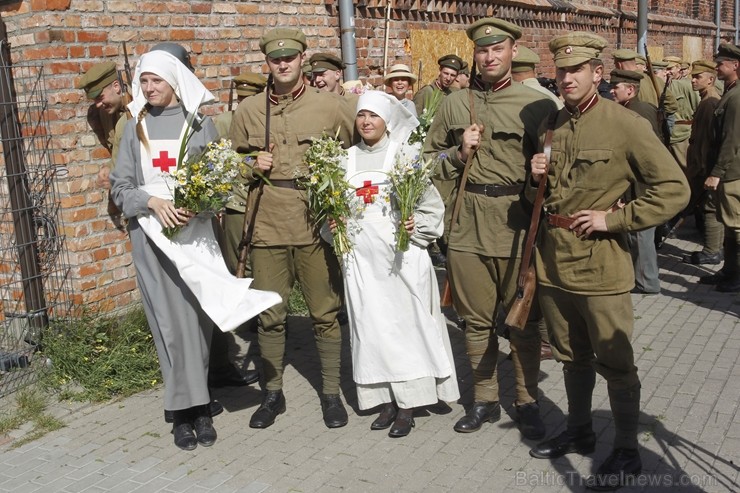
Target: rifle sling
point(466, 169)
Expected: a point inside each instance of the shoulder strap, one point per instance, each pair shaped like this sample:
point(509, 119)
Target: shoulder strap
point(466, 170)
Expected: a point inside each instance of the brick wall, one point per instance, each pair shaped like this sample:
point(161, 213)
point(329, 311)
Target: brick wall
point(70, 35)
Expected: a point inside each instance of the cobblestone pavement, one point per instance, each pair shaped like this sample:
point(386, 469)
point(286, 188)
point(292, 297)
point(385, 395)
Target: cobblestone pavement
point(687, 343)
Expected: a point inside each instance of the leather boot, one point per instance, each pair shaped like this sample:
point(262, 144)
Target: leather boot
point(203, 425)
point(273, 403)
point(214, 409)
point(621, 464)
point(479, 413)
point(385, 418)
point(625, 404)
point(335, 415)
point(182, 429)
point(531, 425)
point(403, 423)
point(571, 441)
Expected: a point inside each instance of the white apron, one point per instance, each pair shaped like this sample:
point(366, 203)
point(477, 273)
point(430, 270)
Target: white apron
point(228, 301)
point(390, 296)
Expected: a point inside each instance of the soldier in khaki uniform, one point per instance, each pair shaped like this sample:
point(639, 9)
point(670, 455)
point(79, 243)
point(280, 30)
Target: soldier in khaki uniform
point(485, 245)
point(699, 158)
point(523, 71)
point(687, 100)
point(108, 114)
point(245, 84)
point(449, 67)
point(599, 151)
point(724, 176)
point(286, 245)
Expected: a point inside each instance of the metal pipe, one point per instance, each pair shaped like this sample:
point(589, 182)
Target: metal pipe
point(718, 21)
point(388, 7)
point(642, 26)
point(349, 48)
point(737, 7)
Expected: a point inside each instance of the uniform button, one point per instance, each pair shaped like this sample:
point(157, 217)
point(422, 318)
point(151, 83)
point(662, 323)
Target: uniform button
point(285, 141)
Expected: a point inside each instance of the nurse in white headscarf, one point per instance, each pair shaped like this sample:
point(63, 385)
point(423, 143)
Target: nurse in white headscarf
point(401, 352)
point(175, 287)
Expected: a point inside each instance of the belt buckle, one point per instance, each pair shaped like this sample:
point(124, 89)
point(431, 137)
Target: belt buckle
point(489, 190)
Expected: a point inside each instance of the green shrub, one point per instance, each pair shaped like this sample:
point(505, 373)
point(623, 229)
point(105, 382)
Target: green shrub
point(297, 303)
point(97, 358)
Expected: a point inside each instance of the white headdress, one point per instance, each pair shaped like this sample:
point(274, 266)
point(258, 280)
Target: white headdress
point(189, 90)
point(399, 121)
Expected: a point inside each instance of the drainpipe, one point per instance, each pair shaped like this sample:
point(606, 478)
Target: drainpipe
point(349, 48)
point(737, 7)
point(642, 26)
point(717, 20)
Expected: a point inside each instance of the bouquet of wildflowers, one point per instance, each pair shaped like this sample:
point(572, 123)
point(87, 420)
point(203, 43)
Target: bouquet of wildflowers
point(431, 105)
point(410, 178)
point(203, 183)
point(326, 187)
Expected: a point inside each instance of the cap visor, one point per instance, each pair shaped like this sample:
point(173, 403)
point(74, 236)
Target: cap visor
point(281, 52)
point(490, 40)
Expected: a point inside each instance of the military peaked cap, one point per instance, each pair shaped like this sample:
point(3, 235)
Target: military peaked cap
point(576, 48)
point(97, 78)
point(451, 61)
point(490, 31)
point(282, 42)
point(727, 51)
point(701, 66)
point(625, 54)
point(628, 76)
point(524, 60)
point(321, 62)
point(249, 84)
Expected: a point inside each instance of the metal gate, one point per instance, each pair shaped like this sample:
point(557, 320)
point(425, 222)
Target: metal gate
point(34, 266)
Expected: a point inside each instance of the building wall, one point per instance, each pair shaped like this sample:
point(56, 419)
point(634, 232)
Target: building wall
point(67, 36)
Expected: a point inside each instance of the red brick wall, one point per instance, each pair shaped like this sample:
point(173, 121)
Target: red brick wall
point(67, 36)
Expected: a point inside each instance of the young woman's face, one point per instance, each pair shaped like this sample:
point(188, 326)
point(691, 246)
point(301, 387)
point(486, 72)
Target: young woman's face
point(370, 126)
point(156, 90)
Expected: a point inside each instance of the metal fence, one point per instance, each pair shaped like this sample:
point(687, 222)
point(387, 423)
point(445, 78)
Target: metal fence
point(35, 288)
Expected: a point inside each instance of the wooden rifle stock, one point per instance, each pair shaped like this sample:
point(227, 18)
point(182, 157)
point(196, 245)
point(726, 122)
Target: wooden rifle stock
point(518, 314)
point(446, 298)
point(251, 216)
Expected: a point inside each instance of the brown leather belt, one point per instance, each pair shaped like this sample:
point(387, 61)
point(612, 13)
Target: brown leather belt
point(494, 190)
point(292, 184)
point(684, 122)
point(559, 221)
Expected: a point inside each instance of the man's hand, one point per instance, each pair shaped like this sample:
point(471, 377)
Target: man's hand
point(264, 160)
point(409, 224)
point(471, 141)
point(711, 183)
point(103, 178)
point(539, 166)
point(587, 222)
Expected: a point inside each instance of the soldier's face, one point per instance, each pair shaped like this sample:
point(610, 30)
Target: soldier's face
point(109, 99)
point(578, 83)
point(400, 86)
point(328, 80)
point(701, 82)
point(461, 81)
point(494, 61)
point(446, 77)
point(286, 70)
point(727, 69)
point(370, 126)
point(156, 90)
point(622, 92)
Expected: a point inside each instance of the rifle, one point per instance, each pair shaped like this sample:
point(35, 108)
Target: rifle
point(125, 84)
point(660, 95)
point(446, 299)
point(688, 211)
point(250, 218)
point(527, 282)
point(231, 95)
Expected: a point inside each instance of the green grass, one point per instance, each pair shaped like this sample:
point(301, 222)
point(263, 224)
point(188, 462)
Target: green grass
point(296, 302)
point(99, 358)
point(30, 407)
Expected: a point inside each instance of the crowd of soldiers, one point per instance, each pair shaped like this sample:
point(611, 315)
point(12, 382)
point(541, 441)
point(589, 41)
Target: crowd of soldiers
point(612, 174)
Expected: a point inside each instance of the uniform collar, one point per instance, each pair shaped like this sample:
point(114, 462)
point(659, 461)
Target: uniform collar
point(293, 95)
point(730, 85)
point(485, 86)
point(585, 106)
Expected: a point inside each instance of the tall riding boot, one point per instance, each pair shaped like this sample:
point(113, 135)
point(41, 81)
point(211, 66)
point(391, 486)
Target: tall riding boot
point(272, 350)
point(578, 436)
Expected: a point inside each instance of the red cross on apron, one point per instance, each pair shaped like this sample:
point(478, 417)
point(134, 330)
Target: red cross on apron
point(164, 162)
point(366, 191)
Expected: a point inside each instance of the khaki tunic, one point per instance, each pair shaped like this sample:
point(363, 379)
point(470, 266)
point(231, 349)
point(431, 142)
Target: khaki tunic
point(511, 116)
point(533, 83)
point(701, 143)
point(283, 217)
point(426, 92)
point(592, 165)
point(687, 100)
point(727, 135)
point(223, 123)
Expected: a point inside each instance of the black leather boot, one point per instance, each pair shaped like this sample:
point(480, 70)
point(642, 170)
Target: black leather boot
point(621, 464)
point(272, 404)
point(386, 417)
point(477, 415)
point(582, 441)
point(335, 415)
point(403, 423)
point(530, 423)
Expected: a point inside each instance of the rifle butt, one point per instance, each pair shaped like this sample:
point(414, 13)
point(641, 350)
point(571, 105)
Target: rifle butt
point(519, 312)
point(446, 298)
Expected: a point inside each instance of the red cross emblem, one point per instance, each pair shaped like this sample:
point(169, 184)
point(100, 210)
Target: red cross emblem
point(366, 191)
point(164, 162)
